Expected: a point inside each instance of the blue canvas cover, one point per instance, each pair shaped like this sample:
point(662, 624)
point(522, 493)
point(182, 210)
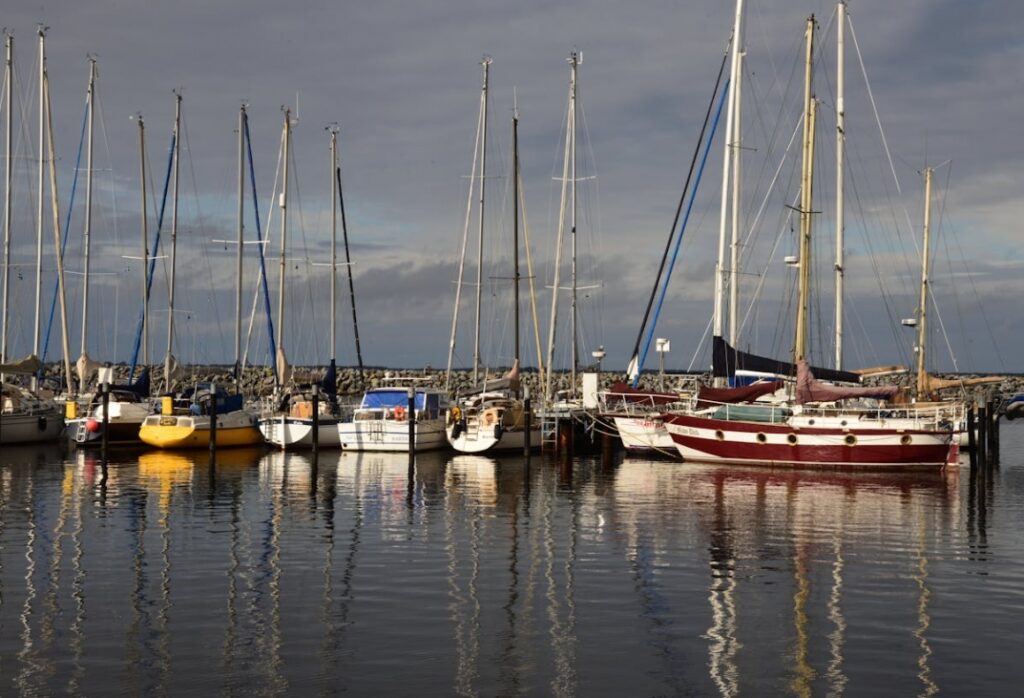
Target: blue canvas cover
point(386, 398)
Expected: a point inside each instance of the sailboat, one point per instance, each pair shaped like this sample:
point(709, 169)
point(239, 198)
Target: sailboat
point(493, 417)
point(127, 405)
point(26, 416)
point(811, 430)
point(185, 421)
point(295, 427)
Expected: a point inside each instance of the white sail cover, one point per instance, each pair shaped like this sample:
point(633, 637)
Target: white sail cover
point(86, 368)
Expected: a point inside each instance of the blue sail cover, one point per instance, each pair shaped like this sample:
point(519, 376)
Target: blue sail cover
point(330, 382)
point(386, 398)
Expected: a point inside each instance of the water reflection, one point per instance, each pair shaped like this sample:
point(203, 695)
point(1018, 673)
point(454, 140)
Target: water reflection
point(270, 573)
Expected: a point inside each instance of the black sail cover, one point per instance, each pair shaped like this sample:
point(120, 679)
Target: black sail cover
point(725, 361)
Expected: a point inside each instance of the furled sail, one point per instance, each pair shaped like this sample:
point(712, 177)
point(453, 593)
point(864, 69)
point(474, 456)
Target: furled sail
point(27, 366)
point(708, 396)
point(726, 360)
point(808, 389)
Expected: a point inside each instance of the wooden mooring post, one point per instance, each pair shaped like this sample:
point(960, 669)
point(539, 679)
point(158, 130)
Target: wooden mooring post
point(105, 388)
point(982, 435)
point(316, 421)
point(213, 420)
point(972, 441)
point(526, 424)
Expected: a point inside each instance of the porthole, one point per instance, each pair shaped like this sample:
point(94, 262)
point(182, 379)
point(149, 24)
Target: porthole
point(811, 422)
point(842, 423)
point(761, 438)
point(720, 435)
point(850, 440)
point(906, 440)
point(791, 438)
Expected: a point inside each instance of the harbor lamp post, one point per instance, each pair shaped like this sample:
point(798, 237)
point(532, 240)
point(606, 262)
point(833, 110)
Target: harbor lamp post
point(598, 355)
point(662, 346)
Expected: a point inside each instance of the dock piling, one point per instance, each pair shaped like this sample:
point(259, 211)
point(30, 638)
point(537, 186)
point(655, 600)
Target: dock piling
point(526, 423)
point(105, 390)
point(316, 421)
point(213, 420)
point(411, 416)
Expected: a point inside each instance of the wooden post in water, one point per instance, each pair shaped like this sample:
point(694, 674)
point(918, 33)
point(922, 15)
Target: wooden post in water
point(526, 423)
point(316, 421)
point(105, 389)
point(982, 435)
point(411, 416)
point(993, 429)
point(213, 420)
point(972, 442)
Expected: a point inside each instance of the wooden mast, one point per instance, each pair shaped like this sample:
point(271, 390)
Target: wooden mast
point(55, 210)
point(810, 110)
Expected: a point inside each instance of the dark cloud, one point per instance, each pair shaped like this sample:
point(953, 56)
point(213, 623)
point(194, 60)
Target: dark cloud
point(402, 81)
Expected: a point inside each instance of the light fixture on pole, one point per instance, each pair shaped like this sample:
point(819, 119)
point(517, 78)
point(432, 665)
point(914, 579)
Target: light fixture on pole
point(598, 355)
point(662, 346)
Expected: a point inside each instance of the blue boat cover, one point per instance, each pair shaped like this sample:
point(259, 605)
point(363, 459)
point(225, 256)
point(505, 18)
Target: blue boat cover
point(391, 397)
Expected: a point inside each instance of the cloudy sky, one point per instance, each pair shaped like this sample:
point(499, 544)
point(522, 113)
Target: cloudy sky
point(402, 81)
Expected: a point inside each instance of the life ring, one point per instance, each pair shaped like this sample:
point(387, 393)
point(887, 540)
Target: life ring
point(399, 413)
point(456, 414)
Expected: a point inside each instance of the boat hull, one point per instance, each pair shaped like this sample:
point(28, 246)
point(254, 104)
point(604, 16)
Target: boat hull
point(705, 439)
point(487, 440)
point(187, 431)
point(390, 435)
point(32, 427)
point(297, 432)
point(645, 435)
point(118, 432)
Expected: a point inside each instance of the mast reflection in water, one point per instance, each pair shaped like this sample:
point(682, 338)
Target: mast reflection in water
point(272, 573)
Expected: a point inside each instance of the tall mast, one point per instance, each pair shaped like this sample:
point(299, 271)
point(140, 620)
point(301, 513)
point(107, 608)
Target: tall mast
point(718, 326)
point(286, 137)
point(241, 242)
point(334, 241)
point(8, 124)
point(736, 142)
point(803, 302)
point(486, 63)
point(515, 222)
point(574, 61)
point(840, 174)
point(553, 318)
point(174, 240)
point(145, 243)
point(462, 255)
point(922, 325)
point(59, 255)
point(39, 205)
point(91, 99)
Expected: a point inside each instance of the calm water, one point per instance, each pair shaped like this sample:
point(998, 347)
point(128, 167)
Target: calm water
point(472, 576)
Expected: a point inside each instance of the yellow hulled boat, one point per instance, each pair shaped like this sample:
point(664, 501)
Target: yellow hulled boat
point(188, 426)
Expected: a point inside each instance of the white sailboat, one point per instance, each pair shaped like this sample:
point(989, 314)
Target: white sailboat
point(25, 416)
point(494, 417)
point(295, 429)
